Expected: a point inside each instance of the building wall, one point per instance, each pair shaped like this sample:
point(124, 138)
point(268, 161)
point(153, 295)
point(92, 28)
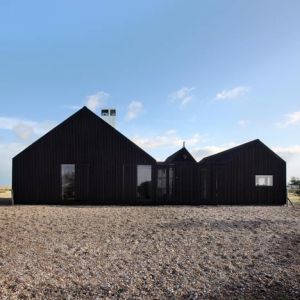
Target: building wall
point(107, 162)
point(82, 139)
point(232, 181)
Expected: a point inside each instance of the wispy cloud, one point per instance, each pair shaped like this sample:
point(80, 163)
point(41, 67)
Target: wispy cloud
point(7, 152)
point(201, 152)
point(290, 119)
point(93, 102)
point(135, 108)
point(72, 107)
point(25, 129)
point(169, 139)
point(233, 93)
point(183, 96)
point(243, 123)
point(287, 152)
point(291, 155)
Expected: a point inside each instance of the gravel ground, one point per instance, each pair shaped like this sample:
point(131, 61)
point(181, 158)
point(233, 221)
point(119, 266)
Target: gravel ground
point(59, 252)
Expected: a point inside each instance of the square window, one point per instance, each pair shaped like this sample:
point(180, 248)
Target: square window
point(264, 180)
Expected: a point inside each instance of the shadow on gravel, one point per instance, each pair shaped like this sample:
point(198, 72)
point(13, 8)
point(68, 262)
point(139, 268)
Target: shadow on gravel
point(225, 225)
point(259, 289)
point(243, 290)
point(5, 202)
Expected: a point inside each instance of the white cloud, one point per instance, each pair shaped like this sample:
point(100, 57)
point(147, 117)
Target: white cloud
point(168, 139)
point(290, 154)
point(202, 152)
point(93, 102)
point(292, 157)
point(72, 107)
point(233, 93)
point(7, 152)
point(135, 108)
point(243, 123)
point(25, 129)
point(183, 96)
point(287, 152)
point(290, 119)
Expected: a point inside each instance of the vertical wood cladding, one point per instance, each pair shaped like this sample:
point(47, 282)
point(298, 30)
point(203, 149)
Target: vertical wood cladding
point(103, 156)
point(232, 175)
point(106, 170)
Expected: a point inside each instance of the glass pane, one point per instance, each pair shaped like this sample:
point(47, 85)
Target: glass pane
point(171, 181)
point(270, 180)
point(144, 180)
point(264, 180)
point(161, 182)
point(68, 182)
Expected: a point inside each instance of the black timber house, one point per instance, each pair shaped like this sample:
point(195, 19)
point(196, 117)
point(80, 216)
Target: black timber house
point(247, 174)
point(84, 160)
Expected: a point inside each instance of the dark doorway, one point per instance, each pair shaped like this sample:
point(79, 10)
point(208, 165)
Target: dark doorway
point(205, 184)
point(220, 185)
point(165, 184)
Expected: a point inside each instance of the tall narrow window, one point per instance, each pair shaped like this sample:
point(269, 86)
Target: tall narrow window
point(144, 181)
point(171, 181)
point(162, 182)
point(68, 182)
point(264, 180)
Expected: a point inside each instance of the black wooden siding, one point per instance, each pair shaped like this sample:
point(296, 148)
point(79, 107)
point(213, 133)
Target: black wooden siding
point(232, 176)
point(106, 169)
point(83, 139)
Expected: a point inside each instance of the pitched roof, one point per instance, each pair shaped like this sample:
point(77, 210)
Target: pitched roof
point(228, 154)
point(182, 155)
point(84, 111)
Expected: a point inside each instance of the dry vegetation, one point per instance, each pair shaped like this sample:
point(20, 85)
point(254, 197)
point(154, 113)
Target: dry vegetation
point(5, 193)
point(294, 197)
point(50, 252)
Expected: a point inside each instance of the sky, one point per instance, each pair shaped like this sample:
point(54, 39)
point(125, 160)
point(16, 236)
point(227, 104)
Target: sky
point(212, 73)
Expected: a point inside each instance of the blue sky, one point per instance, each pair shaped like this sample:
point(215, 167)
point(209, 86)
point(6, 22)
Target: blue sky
point(212, 73)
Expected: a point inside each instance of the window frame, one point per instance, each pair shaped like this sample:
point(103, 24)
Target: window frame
point(269, 180)
point(62, 174)
point(138, 194)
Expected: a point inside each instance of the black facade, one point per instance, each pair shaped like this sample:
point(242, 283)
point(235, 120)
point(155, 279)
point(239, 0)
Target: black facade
point(103, 160)
point(84, 160)
point(186, 180)
point(247, 174)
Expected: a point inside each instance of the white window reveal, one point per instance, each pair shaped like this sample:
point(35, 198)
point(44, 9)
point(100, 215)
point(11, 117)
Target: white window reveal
point(264, 180)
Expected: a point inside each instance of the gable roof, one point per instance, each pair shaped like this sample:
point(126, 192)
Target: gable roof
point(229, 153)
point(181, 156)
point(85, 112)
